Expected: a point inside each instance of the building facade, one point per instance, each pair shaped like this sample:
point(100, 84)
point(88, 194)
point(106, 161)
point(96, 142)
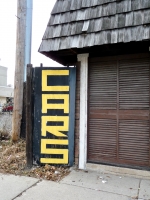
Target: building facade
point(109, 43)
point(5, 91)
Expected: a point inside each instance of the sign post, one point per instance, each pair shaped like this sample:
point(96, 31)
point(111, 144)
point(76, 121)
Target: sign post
point(54, 115)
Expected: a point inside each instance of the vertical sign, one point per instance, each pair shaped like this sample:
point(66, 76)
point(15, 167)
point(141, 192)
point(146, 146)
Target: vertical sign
point(54, 115)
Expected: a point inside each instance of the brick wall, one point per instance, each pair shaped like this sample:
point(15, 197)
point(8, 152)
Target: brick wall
point(77, 115)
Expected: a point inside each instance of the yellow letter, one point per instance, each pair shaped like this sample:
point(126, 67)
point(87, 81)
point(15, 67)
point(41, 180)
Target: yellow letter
point(55, 130)
point(46, 73)
point(64, 106)
point(63, 152)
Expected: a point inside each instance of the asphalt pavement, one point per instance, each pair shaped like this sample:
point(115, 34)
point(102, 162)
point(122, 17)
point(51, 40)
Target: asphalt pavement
point(78, 185)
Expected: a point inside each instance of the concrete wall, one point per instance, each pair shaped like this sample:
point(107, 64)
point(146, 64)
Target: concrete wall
point(2, 100)
point(3, 76)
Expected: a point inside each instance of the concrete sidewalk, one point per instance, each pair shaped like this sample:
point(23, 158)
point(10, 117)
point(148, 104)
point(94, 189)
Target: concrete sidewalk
point(78, 185)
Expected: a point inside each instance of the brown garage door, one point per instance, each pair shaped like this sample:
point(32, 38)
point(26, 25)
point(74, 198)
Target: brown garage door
point(119, 112)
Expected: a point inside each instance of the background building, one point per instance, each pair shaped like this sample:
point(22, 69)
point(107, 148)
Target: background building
point(5, 91)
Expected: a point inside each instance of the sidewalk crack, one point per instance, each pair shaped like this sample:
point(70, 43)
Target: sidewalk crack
point(27, 189)
point(97, 190)
point(139, 188)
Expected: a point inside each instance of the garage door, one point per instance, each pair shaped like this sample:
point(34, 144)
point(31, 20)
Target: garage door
point(119, 112)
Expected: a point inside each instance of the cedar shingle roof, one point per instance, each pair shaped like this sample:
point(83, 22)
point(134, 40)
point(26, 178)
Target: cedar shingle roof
point(85, 23)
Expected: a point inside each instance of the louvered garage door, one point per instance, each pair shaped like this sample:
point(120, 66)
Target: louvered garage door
point(119, 112)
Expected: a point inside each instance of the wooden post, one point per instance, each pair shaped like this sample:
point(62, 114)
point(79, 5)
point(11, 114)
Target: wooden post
point(23, 121)
point(29, 116)
point(19, 69)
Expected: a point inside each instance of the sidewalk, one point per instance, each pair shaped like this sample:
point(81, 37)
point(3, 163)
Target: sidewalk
point(78, 185)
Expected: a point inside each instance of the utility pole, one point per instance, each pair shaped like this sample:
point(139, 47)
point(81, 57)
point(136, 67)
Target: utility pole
point(23, 57)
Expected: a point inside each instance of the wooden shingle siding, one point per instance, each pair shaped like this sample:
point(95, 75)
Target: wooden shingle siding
point(137, 18)
point(98, 11)
point(104, 37)
point(85, 23)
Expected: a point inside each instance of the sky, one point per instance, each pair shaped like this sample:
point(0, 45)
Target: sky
point(8, 22)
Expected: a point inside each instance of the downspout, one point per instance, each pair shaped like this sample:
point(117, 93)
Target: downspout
point(28, 36)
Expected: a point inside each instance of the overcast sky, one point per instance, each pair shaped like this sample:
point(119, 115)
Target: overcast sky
point(8, 20)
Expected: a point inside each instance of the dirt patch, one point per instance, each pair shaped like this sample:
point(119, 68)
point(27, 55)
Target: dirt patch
point(13, 161)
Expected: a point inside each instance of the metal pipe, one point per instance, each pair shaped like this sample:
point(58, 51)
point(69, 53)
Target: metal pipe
point(28, 37)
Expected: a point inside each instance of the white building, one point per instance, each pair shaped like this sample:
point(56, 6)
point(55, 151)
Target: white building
point(5, 91)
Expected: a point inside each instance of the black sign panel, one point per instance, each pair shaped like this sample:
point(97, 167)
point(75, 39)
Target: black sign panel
point(54, 115)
